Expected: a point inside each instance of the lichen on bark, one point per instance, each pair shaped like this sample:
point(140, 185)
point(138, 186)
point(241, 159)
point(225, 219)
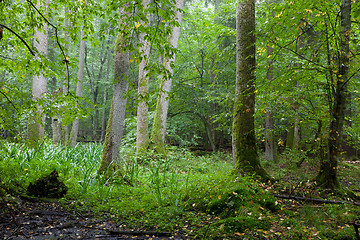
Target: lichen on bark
point(246, 160)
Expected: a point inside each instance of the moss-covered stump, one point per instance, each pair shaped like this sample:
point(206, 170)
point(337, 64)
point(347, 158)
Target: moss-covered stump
point(48, 186)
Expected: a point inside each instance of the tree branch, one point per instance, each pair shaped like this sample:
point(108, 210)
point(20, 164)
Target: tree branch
point(316, 200)
point(18, 36)
point(66, 61)
point(9, 100)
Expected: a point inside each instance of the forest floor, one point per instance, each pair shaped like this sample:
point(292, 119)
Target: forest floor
point(39, 219)
point(186, 196)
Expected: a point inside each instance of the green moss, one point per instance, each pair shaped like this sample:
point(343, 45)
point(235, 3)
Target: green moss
point(240, 224)
point(33, 134)
point(106, 157)
point(157, 143)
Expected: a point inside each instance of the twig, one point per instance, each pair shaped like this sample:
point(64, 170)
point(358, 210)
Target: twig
point(17, 35)
point(316, 200)
point(9, 100)
point(57, 41)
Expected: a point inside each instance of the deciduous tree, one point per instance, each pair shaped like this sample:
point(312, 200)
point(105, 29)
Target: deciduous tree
point(244, 142)
point(111, 160)
point(162, 106)
point(39, 85)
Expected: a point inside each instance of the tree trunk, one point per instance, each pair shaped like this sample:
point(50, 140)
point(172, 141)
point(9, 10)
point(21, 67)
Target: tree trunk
point(159, 125)
point(111, 160)
point(39, 86)
point(244, 142)
point(103, 120)
point(66, 128)
point(328, 176)
point(142, 132)
point(270, 143)
point(76, 123)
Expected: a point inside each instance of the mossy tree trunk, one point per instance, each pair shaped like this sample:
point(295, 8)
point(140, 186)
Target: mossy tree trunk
point(328, 176)
point(244, 143)
point(159, 126)
point(142, 132)
point(35, 128)
point(111, 160)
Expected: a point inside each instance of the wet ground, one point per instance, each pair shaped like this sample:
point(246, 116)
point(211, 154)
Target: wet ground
point(49, 220)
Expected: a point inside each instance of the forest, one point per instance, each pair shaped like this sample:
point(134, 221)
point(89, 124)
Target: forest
point(179, 119)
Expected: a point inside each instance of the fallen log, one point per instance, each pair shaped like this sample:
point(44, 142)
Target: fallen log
point(153, 233)
point(316, 200)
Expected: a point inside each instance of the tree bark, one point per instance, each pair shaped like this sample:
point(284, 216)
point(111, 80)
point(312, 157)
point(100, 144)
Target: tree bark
point(111, 160)
point(328, 176)
point(244, 143)
point(103, 121)
point(162, 106)
point(142, 132)
point(39, 87)
point(270, 144)
point(76, 123)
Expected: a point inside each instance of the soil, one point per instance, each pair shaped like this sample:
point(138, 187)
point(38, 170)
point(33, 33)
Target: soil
point(39, 219)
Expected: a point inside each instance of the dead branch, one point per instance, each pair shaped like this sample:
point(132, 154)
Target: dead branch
point(316, 200)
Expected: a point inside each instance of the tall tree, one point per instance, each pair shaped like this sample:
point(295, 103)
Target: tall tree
point(270, 144)
point(39, 85)
point(162, 106)
point(103, 120)
point(244, 142)
point(76, 123)
point(328, 176)
point(111, 160)
point(142, 132)
point(61, 131)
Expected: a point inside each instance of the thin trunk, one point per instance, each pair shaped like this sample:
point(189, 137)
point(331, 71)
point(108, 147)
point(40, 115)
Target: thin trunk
point(76, 123)
point(66, 133)
point(270, 143)
point(244, 143)
point(103, 120)
point(142, 132)
point(39, 87)
point(328, 176)
point(162, 106)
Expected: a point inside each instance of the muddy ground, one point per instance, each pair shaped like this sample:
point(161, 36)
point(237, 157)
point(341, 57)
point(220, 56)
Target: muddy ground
point(38, 219)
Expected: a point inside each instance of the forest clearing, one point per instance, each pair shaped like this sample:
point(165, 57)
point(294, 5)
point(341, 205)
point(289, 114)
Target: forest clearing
point(174, 119)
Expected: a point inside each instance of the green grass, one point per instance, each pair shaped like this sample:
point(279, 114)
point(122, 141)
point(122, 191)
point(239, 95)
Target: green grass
point(197, 196)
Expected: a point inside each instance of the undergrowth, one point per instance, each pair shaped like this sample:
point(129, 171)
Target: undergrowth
point(195, 195)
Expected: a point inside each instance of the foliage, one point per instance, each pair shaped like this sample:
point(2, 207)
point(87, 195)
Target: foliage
point(205, 71)
point(194, 194)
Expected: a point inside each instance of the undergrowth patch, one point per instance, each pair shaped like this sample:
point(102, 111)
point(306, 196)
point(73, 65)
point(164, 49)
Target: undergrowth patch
point(195, 195)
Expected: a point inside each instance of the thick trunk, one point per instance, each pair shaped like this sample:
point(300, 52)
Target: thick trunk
point(244, 142)
point(162, 106)
point(111, 160)
point(142, 132)
point(76, 123)
point(328, 176)
point(39, 86)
